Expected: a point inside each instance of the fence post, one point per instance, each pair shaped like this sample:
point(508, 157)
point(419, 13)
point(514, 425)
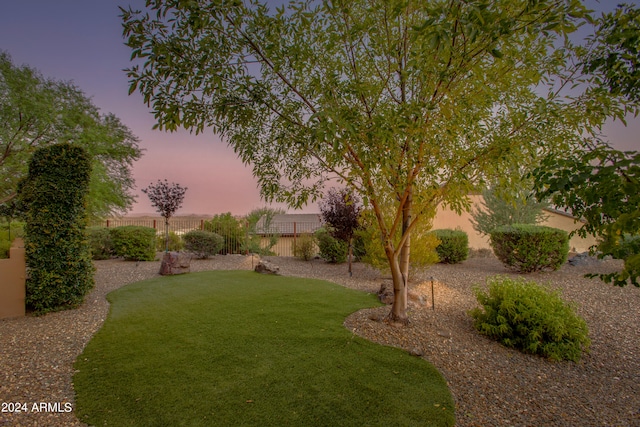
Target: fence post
point(107, 223)
point(154, 224)
point(294, 234)
point(202, 224)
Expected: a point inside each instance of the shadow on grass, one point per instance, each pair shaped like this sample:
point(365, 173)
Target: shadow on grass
point(237, 348)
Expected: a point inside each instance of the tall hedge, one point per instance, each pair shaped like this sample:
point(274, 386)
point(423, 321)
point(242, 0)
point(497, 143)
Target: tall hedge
point(58, 256)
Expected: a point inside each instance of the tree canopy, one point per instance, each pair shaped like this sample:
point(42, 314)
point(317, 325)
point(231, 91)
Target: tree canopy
point(36, 112)
point(596, 182)
point(410, 103)
point(616, 55)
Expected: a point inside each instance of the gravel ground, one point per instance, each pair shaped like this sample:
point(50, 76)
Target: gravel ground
point(492, 385)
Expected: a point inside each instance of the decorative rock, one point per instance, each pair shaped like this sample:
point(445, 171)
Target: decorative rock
point(385, 294)
point(175, 263)
point(583, 259)
point(266, 267)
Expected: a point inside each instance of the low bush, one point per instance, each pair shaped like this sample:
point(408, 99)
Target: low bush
point(175, 242)
point(620, 247)
point(531, 318)
point(203, 244)
point(134, 243)
point(5, 245)
point(6, 237)
point(527, 248)
point(305, 247)
point(453, 247)
point(100, 242)
point(331, 249)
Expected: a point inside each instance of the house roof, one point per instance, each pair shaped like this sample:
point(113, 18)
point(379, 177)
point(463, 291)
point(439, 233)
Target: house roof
point(288, 224)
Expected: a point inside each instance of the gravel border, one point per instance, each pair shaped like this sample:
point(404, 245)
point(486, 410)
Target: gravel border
point(492, 385)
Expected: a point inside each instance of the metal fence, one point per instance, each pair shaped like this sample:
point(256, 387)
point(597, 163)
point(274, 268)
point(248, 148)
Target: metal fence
point(278, 239)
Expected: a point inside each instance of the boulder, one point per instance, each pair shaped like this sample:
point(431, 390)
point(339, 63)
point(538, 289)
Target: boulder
point(584, 259)
point(175, 263)
point(266, 267)
point(385, 293)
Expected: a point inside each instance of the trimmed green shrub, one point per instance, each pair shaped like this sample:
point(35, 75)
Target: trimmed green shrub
point(134, 243)
point(453, 247)
point(100, 242)
point(54, 194)
point(304, 247)
point(175, 242)
point(331, 249)
point(527, 248)
point(203, 244)
point(531, 318)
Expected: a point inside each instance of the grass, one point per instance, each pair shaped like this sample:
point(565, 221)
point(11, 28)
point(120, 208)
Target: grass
point(237, 348)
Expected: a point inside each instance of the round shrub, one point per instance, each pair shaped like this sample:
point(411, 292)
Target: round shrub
point(203, 244)
point(134, 243)
point(531, 318)
point(453, 247)
point(100, 242)
point(331, 249)
point(175, 242)
point(527, 248)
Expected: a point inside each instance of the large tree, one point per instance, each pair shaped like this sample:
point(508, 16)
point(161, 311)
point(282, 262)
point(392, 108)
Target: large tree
point(408, 102)
point(36, 112)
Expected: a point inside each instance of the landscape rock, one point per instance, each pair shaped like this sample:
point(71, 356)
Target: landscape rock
point(583, 259)
point(385, 294)
point(175, 263)
point(266, 267)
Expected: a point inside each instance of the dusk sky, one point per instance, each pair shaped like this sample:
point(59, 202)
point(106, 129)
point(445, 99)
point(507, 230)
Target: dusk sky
point(81, 41)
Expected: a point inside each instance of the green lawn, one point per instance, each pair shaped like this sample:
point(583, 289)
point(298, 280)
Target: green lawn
point(234, 348)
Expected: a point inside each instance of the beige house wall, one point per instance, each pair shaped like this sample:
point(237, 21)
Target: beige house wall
point(12, 282)
point(446, 218)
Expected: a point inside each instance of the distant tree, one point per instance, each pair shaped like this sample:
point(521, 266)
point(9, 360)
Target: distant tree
point(167, 199)
point(340, 209)
point(507, 206)
point(409, 103)
point(231, 230)
point(36, 112)
point(253, 243)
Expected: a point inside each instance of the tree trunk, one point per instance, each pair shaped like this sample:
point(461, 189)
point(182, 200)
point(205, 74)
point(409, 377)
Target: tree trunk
point(400, 271)
point(166, 235)
point(350, 255)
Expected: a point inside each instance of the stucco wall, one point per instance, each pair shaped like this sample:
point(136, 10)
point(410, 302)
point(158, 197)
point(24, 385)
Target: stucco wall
point(446, 218)
point(12, 282)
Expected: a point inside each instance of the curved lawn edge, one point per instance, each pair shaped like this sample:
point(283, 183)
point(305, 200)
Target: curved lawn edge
point(238, 348)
